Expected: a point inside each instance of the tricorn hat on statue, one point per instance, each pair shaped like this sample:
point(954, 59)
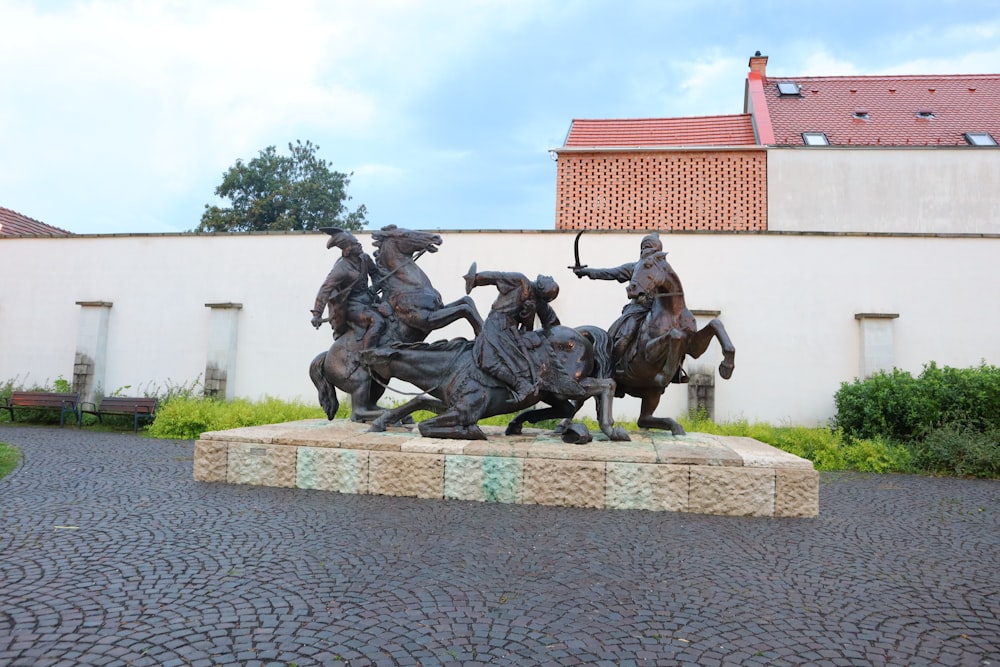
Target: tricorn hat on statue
point(338, 237)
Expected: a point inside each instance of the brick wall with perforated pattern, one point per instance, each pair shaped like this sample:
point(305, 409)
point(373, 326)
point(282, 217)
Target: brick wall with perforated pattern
point(667, 190)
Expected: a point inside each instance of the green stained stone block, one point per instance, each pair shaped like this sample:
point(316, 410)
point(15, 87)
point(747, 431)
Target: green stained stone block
point(501, 479)
point(483, 478)
point(341, 470)
point(305, 468)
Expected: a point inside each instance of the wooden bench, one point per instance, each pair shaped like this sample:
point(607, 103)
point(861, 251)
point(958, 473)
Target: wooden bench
point(43, 400)
point(136, 407)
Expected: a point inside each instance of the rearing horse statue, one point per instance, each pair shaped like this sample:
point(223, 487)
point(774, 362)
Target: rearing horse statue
point(416, 305)
point(413, 309)
point(667, 334)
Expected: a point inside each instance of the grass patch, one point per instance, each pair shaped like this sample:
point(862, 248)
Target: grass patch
point(185, 418)
point(827, 449)
point(9, 456)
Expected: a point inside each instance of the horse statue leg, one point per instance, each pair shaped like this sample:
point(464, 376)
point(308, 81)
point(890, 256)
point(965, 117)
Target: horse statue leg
point(450, 424)
point(327, 392)
point(666, 351)
point(701, 339)
point(464, 308)
point(651, 399)
point(393, 415)
point(560, 408)
point(602, 390)
point(363, 406)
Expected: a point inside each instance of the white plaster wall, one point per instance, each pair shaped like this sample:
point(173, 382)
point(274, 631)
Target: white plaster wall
point(888, 190)
point(788, 301)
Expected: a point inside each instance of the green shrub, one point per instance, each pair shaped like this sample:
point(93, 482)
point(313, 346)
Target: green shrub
point(945, 421)
point(967, 395)
point(876, 455)
point(885, 405)
point(960, 449)
point(185, 418)
point(901, 408)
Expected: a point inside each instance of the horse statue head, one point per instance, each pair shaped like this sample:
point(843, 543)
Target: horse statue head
point(391, 243)
point(566, 359)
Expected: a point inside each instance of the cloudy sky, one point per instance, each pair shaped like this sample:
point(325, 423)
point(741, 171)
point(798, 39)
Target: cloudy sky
point(121, 116)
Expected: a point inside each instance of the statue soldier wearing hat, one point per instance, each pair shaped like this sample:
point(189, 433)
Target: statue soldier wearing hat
point(500, 349)
point(347, 293)
point(623, 331)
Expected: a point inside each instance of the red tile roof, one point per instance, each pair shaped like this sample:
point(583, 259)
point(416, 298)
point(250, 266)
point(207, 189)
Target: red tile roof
point(958, 104)
point(733, 130)
point(13, 223)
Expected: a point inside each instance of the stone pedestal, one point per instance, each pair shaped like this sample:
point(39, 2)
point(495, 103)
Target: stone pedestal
point(698, 473)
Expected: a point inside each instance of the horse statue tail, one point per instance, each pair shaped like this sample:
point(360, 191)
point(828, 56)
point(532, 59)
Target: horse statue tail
point(327, 392)
point(599, 338)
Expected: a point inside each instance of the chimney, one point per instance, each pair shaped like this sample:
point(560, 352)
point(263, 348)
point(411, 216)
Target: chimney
point(758, 63)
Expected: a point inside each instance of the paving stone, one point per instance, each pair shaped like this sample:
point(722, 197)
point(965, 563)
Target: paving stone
point(160, 569)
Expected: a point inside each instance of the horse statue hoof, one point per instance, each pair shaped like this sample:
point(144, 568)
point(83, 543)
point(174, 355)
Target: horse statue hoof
point(619, 434)
point(513, 429)
point(576, 434)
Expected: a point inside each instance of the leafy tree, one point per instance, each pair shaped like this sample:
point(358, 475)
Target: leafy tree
point(283, 192)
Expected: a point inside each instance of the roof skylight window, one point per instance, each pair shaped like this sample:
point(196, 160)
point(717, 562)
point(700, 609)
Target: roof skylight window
point(815, 139)
point(789, 89)
point(980, 139)
point(862, 114)
point(925, 113)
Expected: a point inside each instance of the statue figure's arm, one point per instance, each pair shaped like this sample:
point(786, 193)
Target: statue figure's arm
point(505, 281)
point(622, 273)
point(329, 290)
point(546, 315)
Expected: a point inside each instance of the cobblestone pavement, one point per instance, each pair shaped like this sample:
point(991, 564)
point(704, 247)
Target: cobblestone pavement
point(111, 555)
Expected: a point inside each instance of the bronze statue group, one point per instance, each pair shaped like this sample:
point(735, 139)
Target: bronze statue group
point(382, 308)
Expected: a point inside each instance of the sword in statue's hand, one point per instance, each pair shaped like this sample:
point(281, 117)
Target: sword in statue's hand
point(576, 256)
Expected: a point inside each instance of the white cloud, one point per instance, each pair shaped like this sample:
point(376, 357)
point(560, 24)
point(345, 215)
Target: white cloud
point(179, 88)
point(712, 85)
point(705, 84)
point(229, 74)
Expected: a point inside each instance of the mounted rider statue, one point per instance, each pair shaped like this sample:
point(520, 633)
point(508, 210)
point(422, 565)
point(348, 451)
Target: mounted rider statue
point(624, 330)
point(346, 292)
